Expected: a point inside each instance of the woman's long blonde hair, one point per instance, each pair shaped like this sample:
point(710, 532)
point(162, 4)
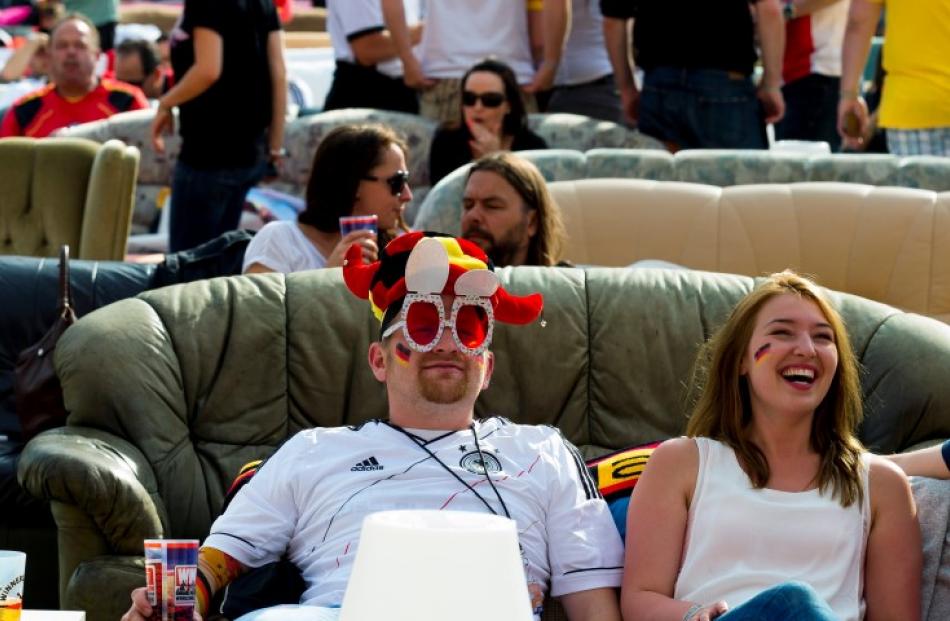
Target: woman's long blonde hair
point(722, 411)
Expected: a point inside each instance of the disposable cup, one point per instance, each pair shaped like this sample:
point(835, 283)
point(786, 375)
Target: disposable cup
point(171, 569)
point(12, 570)
point(358, 223)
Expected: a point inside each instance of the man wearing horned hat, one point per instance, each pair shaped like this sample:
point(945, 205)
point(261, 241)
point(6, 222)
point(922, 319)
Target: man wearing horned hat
point(437, 299)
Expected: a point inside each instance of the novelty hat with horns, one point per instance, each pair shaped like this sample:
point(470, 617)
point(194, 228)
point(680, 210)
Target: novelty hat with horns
point(425, 262)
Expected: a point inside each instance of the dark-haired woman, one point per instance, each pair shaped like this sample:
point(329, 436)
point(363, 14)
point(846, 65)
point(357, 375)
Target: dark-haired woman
point(771, 508)
point(358, 170)
point(492, 118)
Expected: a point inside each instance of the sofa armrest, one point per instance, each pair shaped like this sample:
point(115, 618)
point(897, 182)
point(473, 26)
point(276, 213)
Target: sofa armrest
point(933, 511)
point(103, 476)
point(110, 196)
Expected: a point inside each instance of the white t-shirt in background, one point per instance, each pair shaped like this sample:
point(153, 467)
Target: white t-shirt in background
point(461, 33)
point(585, 56)
point(282, 247)
point(346, 18)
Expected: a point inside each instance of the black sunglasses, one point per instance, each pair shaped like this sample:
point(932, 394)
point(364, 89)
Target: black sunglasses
point(489, 100)
point(397, 182)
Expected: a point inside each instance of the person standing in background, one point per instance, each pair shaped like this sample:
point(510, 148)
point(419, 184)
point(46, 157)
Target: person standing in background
point(460, 33)
point(231, 88)
point(814, 31)
point(915, 105)
point(368, 71)
point(698, 90)
point(584, 83)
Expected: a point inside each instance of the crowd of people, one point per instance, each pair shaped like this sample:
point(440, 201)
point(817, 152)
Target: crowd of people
point(724, 515)
point(479, 69)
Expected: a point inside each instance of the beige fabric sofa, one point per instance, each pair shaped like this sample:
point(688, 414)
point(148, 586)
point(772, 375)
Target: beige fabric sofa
point(887, 244)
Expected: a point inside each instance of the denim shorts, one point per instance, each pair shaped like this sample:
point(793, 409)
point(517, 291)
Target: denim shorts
point(701, 109)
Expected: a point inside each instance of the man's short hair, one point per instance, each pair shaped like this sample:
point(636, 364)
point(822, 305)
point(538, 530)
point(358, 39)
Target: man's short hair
point(76, 17)
point(547, 244)
point(146, 50)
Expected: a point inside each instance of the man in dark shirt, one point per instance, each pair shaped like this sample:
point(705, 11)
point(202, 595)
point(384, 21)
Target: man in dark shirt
point(227, 57)
point(698, 59)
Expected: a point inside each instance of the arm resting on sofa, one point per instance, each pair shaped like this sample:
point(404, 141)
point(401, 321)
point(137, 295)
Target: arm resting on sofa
point(102, 475)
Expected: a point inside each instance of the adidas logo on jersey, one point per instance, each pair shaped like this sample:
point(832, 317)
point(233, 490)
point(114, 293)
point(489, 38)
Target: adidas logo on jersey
point(367, 465)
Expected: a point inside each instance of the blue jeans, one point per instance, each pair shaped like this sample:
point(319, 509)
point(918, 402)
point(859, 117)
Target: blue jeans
point(207, 203)
point(701, 109)
point(811, 110)
point(788, 601)
point(597, 99)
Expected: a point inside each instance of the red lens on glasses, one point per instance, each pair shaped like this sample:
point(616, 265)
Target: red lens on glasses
point(471, 325)
point(422, 322)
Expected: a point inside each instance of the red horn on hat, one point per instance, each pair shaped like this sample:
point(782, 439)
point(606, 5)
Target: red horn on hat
point(356, 274)
point(517, 309)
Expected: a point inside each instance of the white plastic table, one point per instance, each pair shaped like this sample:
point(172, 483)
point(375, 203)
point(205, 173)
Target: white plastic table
point(53, 615)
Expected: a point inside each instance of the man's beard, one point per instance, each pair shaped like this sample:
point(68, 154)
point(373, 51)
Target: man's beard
point(443, 392)
point(502, 252)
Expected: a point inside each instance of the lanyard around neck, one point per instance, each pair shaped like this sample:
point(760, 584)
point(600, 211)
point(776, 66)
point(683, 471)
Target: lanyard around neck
point(471, 488)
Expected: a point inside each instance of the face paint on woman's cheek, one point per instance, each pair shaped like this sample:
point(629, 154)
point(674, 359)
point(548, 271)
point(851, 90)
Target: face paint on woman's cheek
point(761, 352)
point(403, 354)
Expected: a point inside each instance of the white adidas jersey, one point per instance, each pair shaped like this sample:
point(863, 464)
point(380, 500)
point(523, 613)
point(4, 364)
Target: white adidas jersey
point(310, 499)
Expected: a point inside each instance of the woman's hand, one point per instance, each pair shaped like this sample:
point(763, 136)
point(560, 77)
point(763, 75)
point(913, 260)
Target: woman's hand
point(366, 239)
point(707, 613)
point(485, 139)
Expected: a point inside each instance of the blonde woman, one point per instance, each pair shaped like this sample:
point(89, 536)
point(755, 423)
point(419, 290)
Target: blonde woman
point(771, 508)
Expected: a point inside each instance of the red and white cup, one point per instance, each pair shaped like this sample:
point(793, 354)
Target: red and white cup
point(171, 572)
point(348, 224)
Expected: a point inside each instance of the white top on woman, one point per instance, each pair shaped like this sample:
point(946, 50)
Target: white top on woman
point(741, 540)
point(282, 247)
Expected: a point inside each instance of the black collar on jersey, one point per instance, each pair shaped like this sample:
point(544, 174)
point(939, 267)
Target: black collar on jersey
point(423, 445)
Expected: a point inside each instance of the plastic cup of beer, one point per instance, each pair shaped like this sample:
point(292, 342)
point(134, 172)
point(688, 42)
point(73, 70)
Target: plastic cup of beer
point(12, 570)
point(349, 224)
point(171, 569)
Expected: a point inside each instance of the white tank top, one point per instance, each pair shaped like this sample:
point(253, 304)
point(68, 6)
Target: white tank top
point(741, 541)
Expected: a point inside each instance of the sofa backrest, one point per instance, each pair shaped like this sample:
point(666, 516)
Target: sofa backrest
point(154, 180)
point(66, 191)
point(441, 209)
point(204, 377)
point(887, 244)
point(303, 135)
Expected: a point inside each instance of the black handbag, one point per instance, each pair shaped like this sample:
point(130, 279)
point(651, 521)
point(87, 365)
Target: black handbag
point(38, 394)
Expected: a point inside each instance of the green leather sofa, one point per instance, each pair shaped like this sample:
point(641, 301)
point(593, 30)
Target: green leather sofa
point(172, 391)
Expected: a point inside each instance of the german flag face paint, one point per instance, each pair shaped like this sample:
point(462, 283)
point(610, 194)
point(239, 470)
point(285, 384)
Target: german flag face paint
point(761, 352)
point(403, 354)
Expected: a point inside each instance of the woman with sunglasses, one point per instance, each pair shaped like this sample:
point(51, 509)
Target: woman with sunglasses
point(358, 170)
point(493, 118)
point(771, 508)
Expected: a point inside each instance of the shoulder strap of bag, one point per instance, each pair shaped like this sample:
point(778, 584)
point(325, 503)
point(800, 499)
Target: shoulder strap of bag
point(66, 310)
